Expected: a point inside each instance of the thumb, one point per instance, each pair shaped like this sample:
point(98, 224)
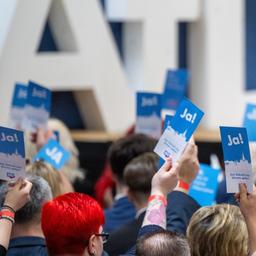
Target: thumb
point(243, 192)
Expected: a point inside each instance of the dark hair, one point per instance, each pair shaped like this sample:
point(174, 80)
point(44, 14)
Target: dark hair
point(40, 193)
point(139, 172)
point(162, 243)
point(122, 151)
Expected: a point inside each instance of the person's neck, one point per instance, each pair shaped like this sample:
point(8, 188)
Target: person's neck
point(28, 229)
point(121, 188)
point(140, 205)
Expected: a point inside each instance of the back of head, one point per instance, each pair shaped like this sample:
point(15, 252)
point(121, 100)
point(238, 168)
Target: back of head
point(68, 221)
point(52, 176)
point(122, 151)
point(162, 243)
point(40, 193)
point(139, 171)
point(218, 230)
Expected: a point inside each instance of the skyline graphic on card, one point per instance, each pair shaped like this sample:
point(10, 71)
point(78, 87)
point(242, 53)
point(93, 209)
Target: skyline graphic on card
point(175, 137)
point(37, 108)
point(204, 188)
point(249, 121)
point(148, 114)
point(53, 153)
point(175, 87)
point(167, 123)
point(18, 103)
point(237, 159)
point(12, 154)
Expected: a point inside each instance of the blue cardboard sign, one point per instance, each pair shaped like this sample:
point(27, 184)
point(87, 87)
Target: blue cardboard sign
point(12, 154)
point(53, 153)
point(249, 121)
point(175, 138)
point(37, 108)
point(204, 188)
point(238, 168)
point(18, 103)
point(175, 88)
point(148, 116)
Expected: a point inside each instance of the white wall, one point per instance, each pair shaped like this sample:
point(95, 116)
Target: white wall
point(217, 63)
point(216, 47)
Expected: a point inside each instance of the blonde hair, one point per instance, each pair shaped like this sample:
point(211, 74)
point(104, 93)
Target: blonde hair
point(218, 230)
point(71, 167)
point(47, 172)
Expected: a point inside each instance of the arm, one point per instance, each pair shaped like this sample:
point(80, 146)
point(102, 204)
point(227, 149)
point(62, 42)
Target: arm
point(163, 182)
point(180, 205)
point(16, 197)
point(248, 209)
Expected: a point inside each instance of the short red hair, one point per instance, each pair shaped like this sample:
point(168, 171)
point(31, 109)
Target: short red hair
point(68, 221)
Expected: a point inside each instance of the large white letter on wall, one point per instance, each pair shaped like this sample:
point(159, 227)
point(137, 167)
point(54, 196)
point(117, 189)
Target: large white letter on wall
point(217, 63)
point(150, 36)
point(92, 65)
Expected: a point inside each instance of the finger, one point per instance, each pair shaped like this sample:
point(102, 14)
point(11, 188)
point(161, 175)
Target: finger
point(237, 196)
point(26, 189)
point(192, 140)
point(191, 149)
point(243, 192)
point(167, 165)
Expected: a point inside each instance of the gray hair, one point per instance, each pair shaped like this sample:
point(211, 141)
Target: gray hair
point(162, 243)
point(39, 194)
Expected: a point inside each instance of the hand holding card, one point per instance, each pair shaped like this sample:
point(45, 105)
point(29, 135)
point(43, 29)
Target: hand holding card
point(238, 168)
point(12, 154)
point(175, 137)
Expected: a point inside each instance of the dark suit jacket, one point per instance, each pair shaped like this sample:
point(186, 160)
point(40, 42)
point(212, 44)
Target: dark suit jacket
point(119, 214)
point(179, 211)
point(27, 246)
point(121, 240)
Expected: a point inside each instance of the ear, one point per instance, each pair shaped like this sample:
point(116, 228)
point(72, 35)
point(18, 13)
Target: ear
point(92, 245)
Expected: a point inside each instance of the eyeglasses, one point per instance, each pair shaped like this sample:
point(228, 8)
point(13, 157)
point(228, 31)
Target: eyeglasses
point(104, 236)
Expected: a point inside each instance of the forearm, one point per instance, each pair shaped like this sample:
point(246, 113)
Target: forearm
point(5, 232)
point(156, 211)
point(251, 226)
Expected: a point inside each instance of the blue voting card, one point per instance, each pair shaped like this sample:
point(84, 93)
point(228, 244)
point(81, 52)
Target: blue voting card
point(53, 153)
point(18, 103)
point(37, 108)
point(204, 188)
point(148, 115)
point(238, 168)
point(175, 87)
point(249, 121)
point(175, 137)
point(12, 154)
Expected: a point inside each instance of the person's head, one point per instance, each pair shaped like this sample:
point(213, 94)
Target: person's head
point(162, 243)
point(40, 193)
point(122, 151)
point(45, 170)
point(138, 174)
point(218, 230)
point(71, 224)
